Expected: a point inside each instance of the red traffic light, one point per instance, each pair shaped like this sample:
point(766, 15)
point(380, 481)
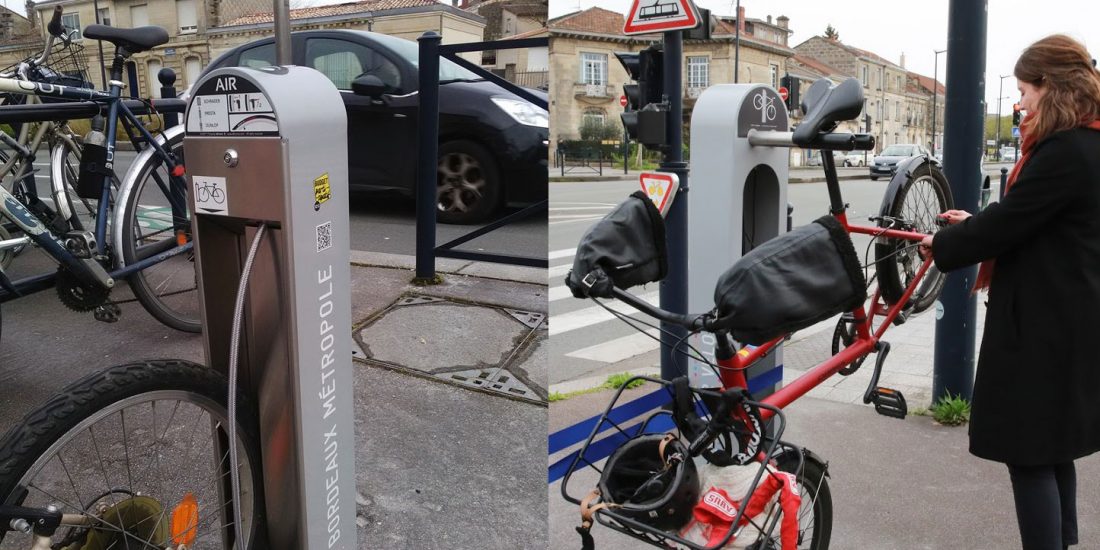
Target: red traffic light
point(1015, 107)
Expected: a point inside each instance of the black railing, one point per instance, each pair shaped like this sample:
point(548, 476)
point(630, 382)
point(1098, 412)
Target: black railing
point(428, 150)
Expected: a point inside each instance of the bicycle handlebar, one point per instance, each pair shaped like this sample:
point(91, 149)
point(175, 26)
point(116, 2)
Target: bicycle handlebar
point(56, 30)
point(691, 322)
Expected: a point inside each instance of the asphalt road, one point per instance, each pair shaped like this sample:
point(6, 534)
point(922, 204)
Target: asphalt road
point(587, 343)
point(387, 222)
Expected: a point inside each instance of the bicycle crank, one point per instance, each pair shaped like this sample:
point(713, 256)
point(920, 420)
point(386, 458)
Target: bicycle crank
point(77, 295)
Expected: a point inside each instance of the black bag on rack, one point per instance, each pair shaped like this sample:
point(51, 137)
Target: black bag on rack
point(627, 245)
point(790, 283)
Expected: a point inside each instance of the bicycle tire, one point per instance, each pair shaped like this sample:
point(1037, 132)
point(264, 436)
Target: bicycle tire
point(897, 261)
point(167, 290)
point(816, 498)
point(29, 450)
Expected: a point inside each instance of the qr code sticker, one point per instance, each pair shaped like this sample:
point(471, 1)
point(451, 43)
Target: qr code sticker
point(324, 236)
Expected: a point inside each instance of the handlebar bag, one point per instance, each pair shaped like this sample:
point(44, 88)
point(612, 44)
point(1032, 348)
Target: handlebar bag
point(790, 282)
point(628, 245)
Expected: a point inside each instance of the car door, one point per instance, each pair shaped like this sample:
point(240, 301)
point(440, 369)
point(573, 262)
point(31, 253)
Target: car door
point(380, 138)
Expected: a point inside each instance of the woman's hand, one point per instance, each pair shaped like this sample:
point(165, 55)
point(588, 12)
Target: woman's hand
point(953, 217)
point(925, 249)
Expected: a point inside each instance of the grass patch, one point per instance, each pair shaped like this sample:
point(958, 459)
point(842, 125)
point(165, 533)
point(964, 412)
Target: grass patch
point(616, 381)
point(613, 382)
point(951, 410)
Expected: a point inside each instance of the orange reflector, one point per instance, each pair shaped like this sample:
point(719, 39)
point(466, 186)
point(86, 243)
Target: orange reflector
point(185, 521)
point(178, 170)
point(181, 238)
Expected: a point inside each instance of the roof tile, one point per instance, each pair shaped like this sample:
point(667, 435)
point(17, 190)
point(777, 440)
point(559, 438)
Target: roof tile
point(348, 8)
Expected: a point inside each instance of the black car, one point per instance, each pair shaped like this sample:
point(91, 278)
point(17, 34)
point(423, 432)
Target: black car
point(886, 162)
point(492, 143)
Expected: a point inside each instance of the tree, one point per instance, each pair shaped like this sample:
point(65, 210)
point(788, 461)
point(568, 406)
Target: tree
point(831, 33)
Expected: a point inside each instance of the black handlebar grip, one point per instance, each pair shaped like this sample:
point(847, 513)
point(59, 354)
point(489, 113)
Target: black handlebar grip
point(836, 141)
point(54, 25)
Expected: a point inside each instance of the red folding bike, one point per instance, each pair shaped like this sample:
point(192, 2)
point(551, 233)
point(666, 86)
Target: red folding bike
point(733, 432)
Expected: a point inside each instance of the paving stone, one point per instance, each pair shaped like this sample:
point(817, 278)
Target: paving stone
point(437, 336)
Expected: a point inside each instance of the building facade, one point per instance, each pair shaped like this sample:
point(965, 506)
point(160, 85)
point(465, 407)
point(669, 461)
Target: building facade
point(587, 80)
point(898, 102)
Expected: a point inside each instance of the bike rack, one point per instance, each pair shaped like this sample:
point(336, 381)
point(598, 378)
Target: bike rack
point(428, 151)
point(266, 152)
point(739, 195)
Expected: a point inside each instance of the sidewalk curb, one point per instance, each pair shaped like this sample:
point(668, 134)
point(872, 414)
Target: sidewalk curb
point(485, 270)
point(595, 179)
point(592, 382)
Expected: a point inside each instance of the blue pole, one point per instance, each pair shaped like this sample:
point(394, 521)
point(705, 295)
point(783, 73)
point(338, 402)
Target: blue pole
point(953, 370)
point(674, 288)
point(427, 155)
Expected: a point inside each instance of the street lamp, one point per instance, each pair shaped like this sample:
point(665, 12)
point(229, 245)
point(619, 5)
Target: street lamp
point(1000, 90)
point(935, 94)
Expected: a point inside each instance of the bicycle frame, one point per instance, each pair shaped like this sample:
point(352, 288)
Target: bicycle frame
point(116, 109)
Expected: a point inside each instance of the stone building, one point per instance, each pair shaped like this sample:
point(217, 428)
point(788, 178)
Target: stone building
point(515, 19)
point(899, 102)
point(200, 30)
point(587, 80)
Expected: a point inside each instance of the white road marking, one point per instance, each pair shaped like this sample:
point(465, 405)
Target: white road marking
point(563, 253)
point(589, 316)
point(620, 349)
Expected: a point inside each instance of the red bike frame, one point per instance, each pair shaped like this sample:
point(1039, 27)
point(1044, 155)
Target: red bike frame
point(732, 371)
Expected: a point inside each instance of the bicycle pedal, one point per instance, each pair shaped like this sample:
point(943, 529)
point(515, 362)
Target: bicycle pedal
point(889, 402)
point(108, 313)
point(904, 314)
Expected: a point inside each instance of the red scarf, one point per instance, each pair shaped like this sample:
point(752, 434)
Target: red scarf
point(985, 272)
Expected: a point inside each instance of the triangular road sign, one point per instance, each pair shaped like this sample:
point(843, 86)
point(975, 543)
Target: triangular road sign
point(661, 188)
point(648, 16)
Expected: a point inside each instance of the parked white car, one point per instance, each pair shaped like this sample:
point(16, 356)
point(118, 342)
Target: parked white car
point(1008, 154)
point(856, 158)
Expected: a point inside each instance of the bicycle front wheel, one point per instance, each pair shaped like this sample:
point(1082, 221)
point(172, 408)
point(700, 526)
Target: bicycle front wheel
point(815, 513)
point(156, 207)
point(917, 203)
point(124, 448)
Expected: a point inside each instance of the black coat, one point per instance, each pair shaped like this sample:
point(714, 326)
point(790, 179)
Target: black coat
point(1037, 389)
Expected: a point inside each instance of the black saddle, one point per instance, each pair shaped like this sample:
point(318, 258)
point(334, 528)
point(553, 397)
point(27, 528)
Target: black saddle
point(134, 40)
point(827, 105)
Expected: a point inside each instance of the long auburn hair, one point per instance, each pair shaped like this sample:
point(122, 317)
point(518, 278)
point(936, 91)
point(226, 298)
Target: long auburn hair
point(1064, 70)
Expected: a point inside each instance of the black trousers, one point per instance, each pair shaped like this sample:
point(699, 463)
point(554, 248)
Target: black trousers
point(1046, 505)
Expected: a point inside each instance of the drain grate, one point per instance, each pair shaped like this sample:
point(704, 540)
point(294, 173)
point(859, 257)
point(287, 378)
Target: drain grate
point(496, 380)
point(528, 318)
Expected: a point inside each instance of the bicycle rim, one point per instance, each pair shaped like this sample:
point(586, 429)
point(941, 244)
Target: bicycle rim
point(169, 289)
point(125, 468)
point(919, 203)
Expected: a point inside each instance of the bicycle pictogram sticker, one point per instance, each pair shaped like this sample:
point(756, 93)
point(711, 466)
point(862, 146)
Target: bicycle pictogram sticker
point(766, 104)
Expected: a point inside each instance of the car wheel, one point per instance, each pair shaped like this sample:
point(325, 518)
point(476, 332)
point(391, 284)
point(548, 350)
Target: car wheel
point(467, 183)
point(874, 178)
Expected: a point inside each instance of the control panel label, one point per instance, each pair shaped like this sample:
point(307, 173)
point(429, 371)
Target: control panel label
point(230, 105)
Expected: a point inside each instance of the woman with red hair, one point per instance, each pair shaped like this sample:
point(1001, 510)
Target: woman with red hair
point(1036, 401)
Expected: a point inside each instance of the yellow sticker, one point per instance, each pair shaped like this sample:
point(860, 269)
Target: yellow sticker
point(321, 191)
point(744, 352)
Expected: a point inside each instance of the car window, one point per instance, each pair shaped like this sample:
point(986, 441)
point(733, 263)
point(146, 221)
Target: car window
point(410, 51)
point(343, 61)
point(898, 151)
point(259, 56)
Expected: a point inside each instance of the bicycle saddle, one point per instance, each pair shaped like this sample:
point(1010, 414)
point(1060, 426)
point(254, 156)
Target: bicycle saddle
point(134, 40)
point(826, 105)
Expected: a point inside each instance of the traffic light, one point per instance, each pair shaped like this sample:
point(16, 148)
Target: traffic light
point(1016, 114)
point(646, 125)
point(791, 84)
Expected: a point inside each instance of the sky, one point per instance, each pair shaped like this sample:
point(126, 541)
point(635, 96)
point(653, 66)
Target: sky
point(915, 28)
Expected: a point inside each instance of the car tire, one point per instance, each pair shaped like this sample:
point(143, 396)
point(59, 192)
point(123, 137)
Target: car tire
point(874, 178)
point(468, 188)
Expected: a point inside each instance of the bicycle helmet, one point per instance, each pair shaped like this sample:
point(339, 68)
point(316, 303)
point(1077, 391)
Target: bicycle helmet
point(651, 479)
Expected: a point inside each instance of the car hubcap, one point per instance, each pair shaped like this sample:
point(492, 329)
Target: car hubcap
point(461, 183)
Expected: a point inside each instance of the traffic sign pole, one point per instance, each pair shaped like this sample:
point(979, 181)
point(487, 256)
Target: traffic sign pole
point(674, 288)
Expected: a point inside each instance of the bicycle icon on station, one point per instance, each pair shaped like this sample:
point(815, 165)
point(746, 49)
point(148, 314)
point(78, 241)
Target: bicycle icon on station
point(766, 105)
point(209, 192)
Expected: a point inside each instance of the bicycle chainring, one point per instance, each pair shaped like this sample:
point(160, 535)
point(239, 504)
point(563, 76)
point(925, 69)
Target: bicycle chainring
point(843, 336)
point(76, 295)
